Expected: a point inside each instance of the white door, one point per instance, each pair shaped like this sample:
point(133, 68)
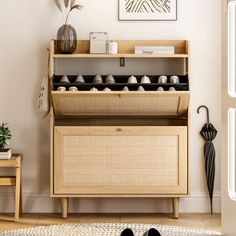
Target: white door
point(228, 120)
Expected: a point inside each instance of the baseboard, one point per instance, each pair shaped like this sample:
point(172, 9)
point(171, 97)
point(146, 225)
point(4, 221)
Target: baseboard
point(42, 203)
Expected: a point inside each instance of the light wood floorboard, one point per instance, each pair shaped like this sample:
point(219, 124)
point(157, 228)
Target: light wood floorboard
point(203, 221)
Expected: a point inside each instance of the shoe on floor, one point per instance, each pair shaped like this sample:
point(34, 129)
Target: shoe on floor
point(152, 232)
point(127, 232)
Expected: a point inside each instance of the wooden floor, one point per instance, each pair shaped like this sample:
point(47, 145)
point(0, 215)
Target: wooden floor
point(204, 221)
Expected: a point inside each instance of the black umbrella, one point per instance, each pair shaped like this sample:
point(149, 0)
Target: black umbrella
point(209, 133)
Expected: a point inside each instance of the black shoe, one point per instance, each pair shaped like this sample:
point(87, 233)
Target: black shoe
point(152, 232)
point(127, 232)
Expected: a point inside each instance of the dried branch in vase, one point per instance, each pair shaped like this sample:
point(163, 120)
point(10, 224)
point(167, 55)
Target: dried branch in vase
point(67, 8)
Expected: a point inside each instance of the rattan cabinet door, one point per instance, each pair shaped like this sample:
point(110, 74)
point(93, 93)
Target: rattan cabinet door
point(85, 103)
point(120, 161)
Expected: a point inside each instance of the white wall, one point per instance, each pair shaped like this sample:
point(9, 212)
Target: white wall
point(26, 27)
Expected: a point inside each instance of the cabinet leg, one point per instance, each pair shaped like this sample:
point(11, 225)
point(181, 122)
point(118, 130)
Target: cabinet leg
point(17, 194)
point(64, 207)
point(175, 204)
point(21, 200)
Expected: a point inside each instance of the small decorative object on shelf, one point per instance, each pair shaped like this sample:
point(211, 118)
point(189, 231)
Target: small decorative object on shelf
point(112, 47)
point(5, 136)
point(66, 34)
point(98, 42)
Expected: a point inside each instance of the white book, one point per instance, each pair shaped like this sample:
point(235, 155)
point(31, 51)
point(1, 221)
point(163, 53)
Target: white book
point(5, 154)
point(154, 50)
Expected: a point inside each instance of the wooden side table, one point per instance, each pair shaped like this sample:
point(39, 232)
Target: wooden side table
point(15, 180)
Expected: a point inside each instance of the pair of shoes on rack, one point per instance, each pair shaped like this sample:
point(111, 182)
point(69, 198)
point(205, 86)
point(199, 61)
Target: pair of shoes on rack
point(150, 232)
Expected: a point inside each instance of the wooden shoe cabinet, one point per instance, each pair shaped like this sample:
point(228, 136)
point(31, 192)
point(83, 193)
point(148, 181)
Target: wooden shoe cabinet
point(120, 144)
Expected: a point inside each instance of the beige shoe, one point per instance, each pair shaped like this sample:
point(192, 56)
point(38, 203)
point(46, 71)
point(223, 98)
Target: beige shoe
point(106, 89)
point(160, 89)
point(140, 88)
point(110, 79)
point(93, 89)
point(132, 80)
point(73, 89)
point(61, 89)
point(145, 80)
point(162, 79)
point(172, 89)
point(80, 79)
point(64, 79)
point(174, 79)
point(97, 79)
point(125, 88)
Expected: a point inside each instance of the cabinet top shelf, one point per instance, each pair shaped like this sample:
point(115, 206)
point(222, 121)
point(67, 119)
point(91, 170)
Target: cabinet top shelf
point(123, 55)
point(126, 49)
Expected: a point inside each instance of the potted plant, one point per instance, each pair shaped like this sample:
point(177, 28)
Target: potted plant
point(5, 136)
point(66, 34)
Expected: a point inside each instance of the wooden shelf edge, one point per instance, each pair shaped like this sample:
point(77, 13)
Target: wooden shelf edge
point(119, 56)
point(122, 93)
point(119, 195)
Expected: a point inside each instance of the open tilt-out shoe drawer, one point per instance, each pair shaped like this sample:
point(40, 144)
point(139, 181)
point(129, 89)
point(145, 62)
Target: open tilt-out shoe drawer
point(76, 104)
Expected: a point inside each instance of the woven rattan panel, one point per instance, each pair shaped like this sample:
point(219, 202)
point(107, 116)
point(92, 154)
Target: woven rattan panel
point(118, 163)
point(116, 104)
point(121, 160)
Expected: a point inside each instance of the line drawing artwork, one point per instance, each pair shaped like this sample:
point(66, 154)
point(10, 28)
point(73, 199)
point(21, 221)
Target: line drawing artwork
point(147, 6)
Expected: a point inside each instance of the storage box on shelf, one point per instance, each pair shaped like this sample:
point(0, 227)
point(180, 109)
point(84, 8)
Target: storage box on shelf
point(120, 143)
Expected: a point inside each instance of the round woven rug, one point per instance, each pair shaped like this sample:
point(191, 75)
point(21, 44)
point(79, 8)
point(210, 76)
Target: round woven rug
point(106, 230)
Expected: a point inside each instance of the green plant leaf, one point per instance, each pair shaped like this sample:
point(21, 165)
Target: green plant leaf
point(5, 134)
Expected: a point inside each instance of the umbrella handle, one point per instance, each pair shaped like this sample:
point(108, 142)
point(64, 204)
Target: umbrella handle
point(207, 110)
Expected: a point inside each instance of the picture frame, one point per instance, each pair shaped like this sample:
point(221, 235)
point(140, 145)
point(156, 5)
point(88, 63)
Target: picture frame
point(147, 10)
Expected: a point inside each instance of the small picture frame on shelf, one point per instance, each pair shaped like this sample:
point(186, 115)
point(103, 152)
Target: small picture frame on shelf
point(148, 10)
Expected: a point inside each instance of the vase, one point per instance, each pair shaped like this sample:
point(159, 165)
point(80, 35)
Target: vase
point(66, 39)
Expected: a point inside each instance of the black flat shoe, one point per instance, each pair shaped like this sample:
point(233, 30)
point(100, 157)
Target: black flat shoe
point(152, 232)
point(127, 232)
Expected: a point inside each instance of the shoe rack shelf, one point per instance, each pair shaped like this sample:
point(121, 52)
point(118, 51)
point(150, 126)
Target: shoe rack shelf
point(126, 49)
point(121, 82)
point(120, 144)
point(119, 55)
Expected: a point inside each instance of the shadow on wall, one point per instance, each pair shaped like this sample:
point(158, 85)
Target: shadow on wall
point(41, 163)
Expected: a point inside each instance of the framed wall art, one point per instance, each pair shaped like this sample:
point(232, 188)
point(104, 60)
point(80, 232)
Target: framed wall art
point(163, 10)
